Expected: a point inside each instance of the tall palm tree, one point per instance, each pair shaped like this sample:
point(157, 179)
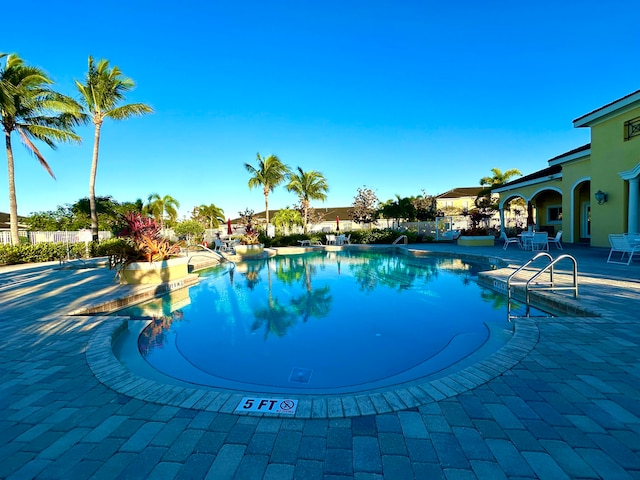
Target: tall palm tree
point(308, 186)
point(210, 215)
point(162, 207)
point(29, 107)
point(270, 173)
point(103, 90)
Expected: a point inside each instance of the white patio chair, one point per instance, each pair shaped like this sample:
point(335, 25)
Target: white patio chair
point(331, 239)
point(347, 239)
point(620, 244)
point(556, 240)
point(540, 241)
point(508, 241)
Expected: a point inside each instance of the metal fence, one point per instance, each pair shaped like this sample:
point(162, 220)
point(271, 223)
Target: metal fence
point(54, 237)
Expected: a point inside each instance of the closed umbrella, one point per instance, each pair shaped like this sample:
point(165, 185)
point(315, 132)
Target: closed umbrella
point(337, 224)
point(229, 226)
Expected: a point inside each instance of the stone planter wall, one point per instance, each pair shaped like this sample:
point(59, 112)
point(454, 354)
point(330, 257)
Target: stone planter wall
point(155, 272)
point(477, 241)
point(249, 250)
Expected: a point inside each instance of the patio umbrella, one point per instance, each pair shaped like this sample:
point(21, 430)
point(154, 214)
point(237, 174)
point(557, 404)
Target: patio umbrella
point(229, 226)
point(337, 224)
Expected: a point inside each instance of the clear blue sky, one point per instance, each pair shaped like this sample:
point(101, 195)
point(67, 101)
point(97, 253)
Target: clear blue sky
point(400, 96)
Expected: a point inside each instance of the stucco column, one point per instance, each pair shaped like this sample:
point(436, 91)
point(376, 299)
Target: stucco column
point(530, 220)
point(634, 200)
point(501, 211)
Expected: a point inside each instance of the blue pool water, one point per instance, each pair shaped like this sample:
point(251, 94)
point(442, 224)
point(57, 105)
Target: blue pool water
point(321, 322)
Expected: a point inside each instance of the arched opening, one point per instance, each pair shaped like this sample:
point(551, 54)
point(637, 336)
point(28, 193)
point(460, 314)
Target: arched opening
point(548, 210)
point(581, 211)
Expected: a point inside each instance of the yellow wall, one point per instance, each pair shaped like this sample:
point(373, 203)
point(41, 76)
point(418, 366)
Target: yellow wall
point(577, 174)
point(456, 203)
point(610, 155)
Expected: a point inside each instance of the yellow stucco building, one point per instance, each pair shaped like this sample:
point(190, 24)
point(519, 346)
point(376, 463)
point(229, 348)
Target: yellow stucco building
point(457, 200)
point(593, 190)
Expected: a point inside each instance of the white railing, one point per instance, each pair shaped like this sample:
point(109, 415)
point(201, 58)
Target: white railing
point(54, 237)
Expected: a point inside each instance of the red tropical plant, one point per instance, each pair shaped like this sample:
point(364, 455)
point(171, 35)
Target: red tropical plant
point(143, 234)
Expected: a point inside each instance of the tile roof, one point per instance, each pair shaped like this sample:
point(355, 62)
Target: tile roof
point(571, 152)
point(606, 106)
point(460, 192)
point(329, 214)
point(545, 172)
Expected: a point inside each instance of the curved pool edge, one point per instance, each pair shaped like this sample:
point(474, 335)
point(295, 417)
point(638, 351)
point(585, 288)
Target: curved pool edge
point(112, 373)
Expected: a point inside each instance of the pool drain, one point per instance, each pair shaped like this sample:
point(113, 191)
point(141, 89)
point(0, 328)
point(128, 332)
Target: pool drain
point(300, 375)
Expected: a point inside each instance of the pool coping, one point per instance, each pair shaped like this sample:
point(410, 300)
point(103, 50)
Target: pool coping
point(112, 373)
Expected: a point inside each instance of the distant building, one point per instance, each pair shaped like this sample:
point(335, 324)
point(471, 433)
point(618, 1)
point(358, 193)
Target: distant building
point(457, 200)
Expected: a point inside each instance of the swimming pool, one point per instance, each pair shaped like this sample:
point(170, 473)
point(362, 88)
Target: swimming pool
point(322, 322)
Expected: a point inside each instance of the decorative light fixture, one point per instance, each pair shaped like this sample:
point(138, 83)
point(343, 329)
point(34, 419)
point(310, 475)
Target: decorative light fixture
point(601, 197)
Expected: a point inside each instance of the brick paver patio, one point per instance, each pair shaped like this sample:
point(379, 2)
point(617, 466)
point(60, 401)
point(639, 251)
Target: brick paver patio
point(569, 407)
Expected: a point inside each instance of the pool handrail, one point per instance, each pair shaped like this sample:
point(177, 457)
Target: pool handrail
point(401, 237)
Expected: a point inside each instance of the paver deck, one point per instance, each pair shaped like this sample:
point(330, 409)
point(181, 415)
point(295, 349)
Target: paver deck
point(569, 407)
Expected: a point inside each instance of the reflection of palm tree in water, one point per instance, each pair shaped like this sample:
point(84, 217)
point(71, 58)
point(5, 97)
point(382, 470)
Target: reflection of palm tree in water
point(313, 303)
point(498, 300)
point(275, 317)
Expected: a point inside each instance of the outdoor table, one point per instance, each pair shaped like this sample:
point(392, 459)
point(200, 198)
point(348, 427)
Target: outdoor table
point(526, 240)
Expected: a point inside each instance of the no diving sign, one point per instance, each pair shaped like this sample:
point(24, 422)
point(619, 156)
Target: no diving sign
point(268, 405)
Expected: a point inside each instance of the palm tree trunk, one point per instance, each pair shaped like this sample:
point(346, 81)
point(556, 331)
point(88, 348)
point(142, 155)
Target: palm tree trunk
point(92, 183)
point(305, 205)
point(266, 204)
point(13, 203)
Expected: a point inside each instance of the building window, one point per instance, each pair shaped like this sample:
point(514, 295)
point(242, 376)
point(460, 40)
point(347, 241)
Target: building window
point(554, 214)
point(632, 128)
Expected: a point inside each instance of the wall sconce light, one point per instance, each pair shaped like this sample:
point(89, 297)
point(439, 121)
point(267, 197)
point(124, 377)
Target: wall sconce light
point(601, 197)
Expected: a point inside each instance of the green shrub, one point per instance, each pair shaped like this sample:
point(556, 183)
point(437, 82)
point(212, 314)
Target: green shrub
point(27, 253)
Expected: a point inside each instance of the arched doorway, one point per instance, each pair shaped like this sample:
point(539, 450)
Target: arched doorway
point(581, 211)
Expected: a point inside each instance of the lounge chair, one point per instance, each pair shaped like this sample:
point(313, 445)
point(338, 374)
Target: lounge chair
point(508, 241)
point(556, 240)
point(621, 243)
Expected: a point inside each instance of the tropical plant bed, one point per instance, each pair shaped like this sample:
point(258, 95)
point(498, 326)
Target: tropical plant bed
point(476, 241)
point(163, 271)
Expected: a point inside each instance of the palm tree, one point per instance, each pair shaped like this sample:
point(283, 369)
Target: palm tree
point(498, 178)
point(104, 89)
point(308, 186)
point(29, 107)
point(210, 215)
point(160, 207)
point(270, 173)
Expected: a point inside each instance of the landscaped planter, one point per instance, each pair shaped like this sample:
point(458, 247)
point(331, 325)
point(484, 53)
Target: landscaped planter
point(155, 272)
point(249, 250)
point(476, 241)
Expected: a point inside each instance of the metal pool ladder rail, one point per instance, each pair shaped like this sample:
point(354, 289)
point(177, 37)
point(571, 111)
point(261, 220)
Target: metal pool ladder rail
point(546, 285)
point(402, 238)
